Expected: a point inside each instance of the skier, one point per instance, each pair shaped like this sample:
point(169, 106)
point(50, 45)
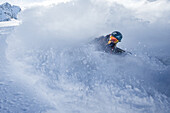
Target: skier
point(108, 43)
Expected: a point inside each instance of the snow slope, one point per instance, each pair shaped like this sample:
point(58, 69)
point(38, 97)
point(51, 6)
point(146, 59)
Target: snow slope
point(48, 66)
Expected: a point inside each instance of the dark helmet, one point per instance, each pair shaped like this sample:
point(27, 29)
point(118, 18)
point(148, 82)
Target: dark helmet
point(117, 35)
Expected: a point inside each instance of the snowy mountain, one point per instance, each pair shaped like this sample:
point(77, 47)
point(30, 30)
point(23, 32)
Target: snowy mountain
point(8, 12)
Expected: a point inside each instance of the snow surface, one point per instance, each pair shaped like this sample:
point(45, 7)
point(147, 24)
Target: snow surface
point(13, 22)
point(47, 64)
point(8, 12)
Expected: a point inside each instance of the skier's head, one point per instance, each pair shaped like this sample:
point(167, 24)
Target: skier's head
point(115, 37)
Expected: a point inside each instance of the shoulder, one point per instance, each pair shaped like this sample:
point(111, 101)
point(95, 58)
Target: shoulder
point(107, 36)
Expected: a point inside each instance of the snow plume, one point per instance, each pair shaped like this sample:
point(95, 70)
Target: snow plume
point(50, 52)
point(64, 23)
point(137, 20)
point(148, 10)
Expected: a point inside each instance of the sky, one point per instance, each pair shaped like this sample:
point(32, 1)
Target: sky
point(28, 3)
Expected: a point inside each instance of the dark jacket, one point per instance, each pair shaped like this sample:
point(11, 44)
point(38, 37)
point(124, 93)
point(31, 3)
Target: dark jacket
point(102, 45)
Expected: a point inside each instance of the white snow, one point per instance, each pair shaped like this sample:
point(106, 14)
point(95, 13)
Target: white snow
point(46, 64)
point(13, 22)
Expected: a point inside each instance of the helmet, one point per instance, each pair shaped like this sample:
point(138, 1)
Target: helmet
point(117, 35)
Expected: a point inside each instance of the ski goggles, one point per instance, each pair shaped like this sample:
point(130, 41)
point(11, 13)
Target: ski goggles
point(112, 39)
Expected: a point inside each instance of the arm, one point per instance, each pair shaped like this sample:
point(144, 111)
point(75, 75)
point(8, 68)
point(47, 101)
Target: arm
point(119, 51)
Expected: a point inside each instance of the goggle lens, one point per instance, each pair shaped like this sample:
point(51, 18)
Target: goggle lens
point(113, 39)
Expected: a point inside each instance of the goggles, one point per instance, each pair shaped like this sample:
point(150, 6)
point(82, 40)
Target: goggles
point(112, 39)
